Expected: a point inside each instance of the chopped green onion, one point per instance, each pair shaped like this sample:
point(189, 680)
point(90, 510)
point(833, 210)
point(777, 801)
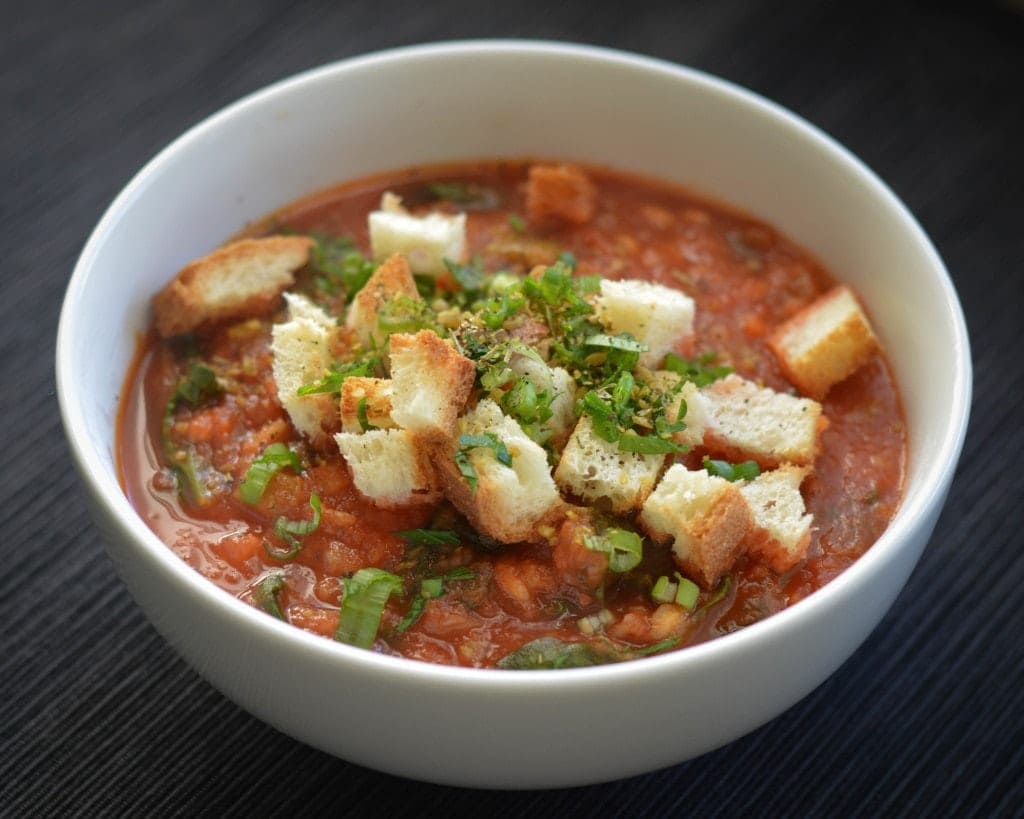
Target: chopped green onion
point(687, 593)
point(746, 471)
point(198, 386)
point(719, 594)
point(366, 594)
point(274, 458)
point(550, 652)
point(624, 549)
point(667, 643)
point(664, 590)
point(291, 530)
point(343, 267)
point(429, 537)
point(196, 478)
point(432, 587)
point(266, 593)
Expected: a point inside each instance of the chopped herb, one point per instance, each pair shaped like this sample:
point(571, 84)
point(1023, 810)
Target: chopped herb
point(196, 478)
point(624, 549)
point(484, 440)
point(663, 645)
point(470, 276)
point(687, 592)
point(429, 537)
point(745, 471)
point(431, 588)
point(700, 371)
point(364, 422)
point(404, 314)
point(291, 530)
point(622, 341)
point(468, 194)
point(515, 221)
point(719, 594)
point(266, 593)
point(550, 652)
point(568, 259)
point(331, 383)
point(664, 590)
point(274, 458)
point(366, 594)
point(343, 268)
point(629, 441)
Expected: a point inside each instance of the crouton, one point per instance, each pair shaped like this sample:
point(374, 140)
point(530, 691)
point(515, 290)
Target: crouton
point(374, 395)
point(782, 532)
point(824, 343)
point(704, 517)
point(391, 280)
point(431, 382)
point(425, 240)
point(654, 315)
point(559, 384)
point(596, 471)
point(239, 280)
point(696, 415)
point(561, 193)
point(747, 421)
point(389, 466)
point(301, 355)
point(510, 503)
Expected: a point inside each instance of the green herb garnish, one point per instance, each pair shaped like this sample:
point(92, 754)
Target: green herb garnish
point(274, 458)
point(700, 371)
point(429, 537)
point(266, 593)
point(343, 268)
point(470, 276)
point(484, 440)
point(291, 530)
point(471, 195)
point(365, 595)
point(431, 588)
point(340, 370)
point(745, 471)
point(624, 548)
point(515, 221)
point(196, 478)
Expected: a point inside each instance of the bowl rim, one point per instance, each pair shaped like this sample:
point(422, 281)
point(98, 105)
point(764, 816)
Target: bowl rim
point(912, 513)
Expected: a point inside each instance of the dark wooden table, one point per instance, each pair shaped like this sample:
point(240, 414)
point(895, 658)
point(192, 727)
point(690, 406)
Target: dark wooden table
point(99, 716)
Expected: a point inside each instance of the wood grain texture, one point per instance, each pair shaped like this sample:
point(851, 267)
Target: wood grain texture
point(99, 717)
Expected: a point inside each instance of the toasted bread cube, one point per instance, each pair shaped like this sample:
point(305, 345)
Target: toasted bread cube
point(560, 385)
point(376, 393)
point(301, 355)
point(389, 466)
point(748, 421)
point(704, 517)
point(510, 503)
point(653, 314)
point(240, 280)
point(824, 343)
point(782, 530)
point(431, 382)
point(696, 415)
point(426, 241)
point(560, 193)
point(392, 280)
point(597, 472)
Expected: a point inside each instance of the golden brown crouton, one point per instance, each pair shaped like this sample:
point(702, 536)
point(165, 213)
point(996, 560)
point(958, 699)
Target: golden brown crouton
point(825, 342)
point(561, 193)
point(239, 280)
point(782, 532)
point(510, 503)
point(744, 421)
point(431, 383)
point(391, 280)
point(389, 466)
point(374, 394)
point(704, 517)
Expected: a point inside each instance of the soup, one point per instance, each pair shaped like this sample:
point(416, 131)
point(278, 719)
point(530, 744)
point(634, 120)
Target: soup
point(514, 415)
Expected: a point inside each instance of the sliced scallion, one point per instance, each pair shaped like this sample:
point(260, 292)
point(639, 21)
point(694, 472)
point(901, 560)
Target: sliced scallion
point(266, 593)
point(366, 594)
point(274, 458)
point(624, 549)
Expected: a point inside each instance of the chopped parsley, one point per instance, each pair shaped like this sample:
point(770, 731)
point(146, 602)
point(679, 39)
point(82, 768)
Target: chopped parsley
point(701, 371)
point(484, 440)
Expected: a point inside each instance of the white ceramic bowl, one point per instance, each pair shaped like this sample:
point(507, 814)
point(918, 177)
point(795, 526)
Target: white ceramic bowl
point(511, 99)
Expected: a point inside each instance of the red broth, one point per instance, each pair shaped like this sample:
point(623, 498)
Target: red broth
point(745, 279)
